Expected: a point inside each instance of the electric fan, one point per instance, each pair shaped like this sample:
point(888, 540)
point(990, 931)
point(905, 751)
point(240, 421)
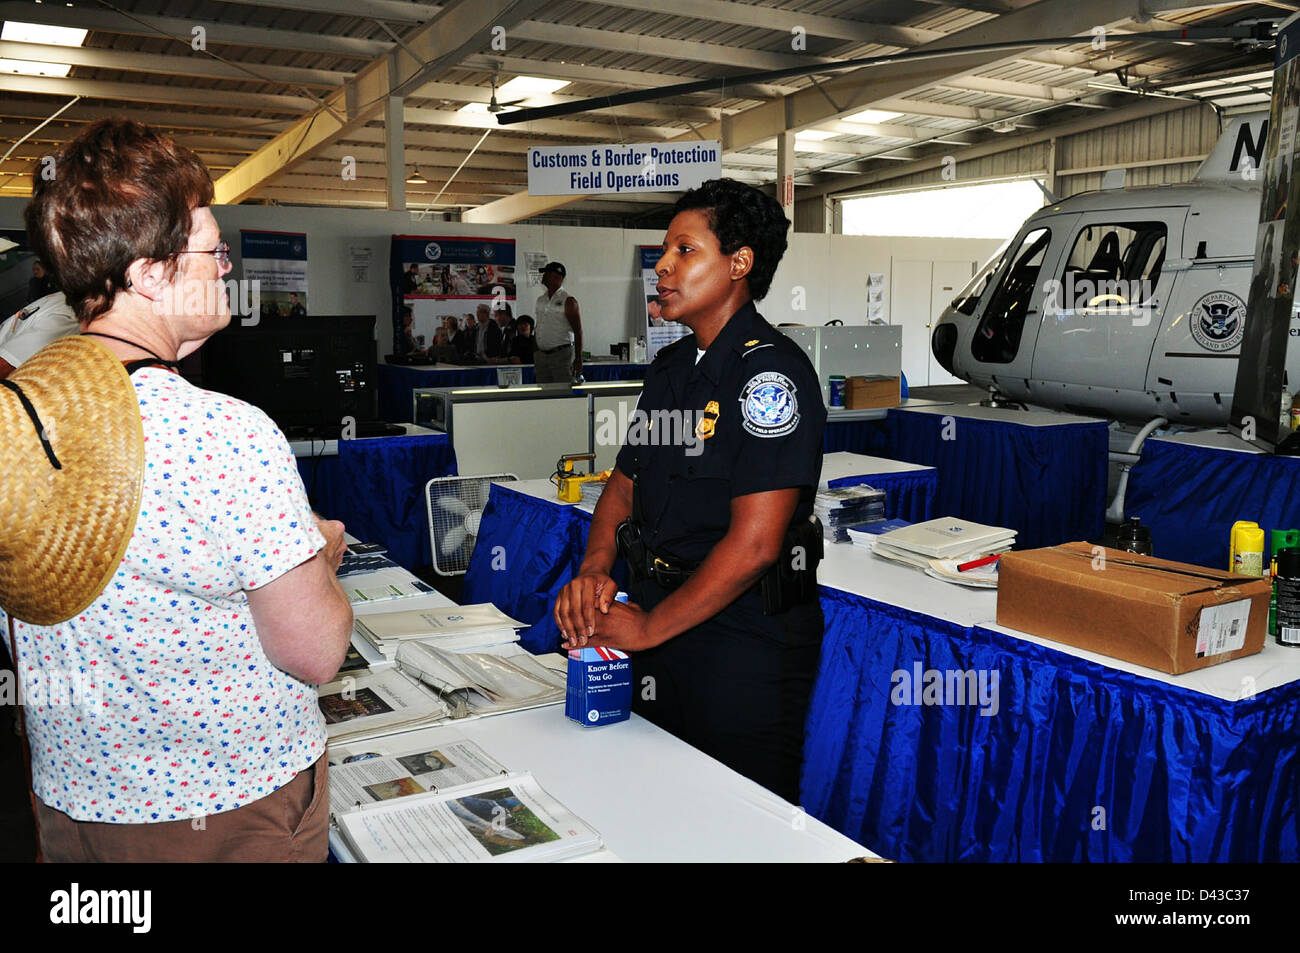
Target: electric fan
point(455, 507)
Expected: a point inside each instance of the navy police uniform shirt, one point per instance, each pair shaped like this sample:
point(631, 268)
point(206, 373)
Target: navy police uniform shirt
point(747, 418)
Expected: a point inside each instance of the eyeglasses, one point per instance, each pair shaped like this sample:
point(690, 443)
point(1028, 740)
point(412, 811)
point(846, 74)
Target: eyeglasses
point(221, 253)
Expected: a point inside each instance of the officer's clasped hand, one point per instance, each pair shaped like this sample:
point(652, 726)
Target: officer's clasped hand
point(577, 605)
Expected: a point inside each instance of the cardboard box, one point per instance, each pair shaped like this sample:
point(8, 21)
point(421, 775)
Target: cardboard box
point(866, 393)
point(1161, 614)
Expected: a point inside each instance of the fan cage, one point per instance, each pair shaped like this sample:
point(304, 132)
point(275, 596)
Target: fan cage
point(448, 502)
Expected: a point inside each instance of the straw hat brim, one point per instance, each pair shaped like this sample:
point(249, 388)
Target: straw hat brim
point(63, 531)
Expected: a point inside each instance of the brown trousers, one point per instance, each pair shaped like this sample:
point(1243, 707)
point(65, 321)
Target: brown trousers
point(290, 825)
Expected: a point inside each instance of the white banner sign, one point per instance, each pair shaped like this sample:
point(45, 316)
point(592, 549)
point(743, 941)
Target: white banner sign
point(617, 169)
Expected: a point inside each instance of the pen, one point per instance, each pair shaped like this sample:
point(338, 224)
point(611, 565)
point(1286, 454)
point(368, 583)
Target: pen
point(976, 563)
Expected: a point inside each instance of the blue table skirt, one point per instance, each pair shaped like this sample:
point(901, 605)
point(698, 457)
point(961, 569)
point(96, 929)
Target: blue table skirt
point(908, 496)
point(1048, 483)
point(1180, 776)
point(376, 487)
point(396, 381)
point(1191, 496)
point(527, 551)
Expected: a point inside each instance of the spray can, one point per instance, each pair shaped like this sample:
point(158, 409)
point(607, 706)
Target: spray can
point(1278, 539)
point(1234, 541)
point(1133, 537)
point(1288, 596)
point(1248, 553)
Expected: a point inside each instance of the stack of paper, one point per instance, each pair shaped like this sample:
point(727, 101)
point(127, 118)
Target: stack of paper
point(501, 819)
point(947, 538)
point(376, 578)
point(455, 627)
point(591, 492)
point(846, 506)
point(364, 705)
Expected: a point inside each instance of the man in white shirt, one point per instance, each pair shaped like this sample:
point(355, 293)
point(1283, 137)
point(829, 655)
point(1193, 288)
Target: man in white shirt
point(558, 358)
point(44, 320)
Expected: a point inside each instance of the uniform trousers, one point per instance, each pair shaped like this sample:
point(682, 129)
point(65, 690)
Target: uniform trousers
point(737, 686)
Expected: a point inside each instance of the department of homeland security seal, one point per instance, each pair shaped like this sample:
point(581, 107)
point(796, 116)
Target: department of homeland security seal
point(1218, 321)
point(768, 405)
point(433, 251)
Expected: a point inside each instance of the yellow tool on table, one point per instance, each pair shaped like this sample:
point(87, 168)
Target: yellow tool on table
point(570, 483)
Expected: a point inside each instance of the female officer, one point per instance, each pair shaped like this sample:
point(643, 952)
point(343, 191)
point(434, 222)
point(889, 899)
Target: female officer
point(721, 460)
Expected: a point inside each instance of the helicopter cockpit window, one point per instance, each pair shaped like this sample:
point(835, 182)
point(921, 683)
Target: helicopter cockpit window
point(1113, 266)
point(997, 339)
point(968, 298)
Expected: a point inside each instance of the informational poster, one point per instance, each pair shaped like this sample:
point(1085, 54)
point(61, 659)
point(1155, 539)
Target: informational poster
point(622, 168)
point(659, 331)
point(277, 261)
point(439, 277)
point(1257, 393)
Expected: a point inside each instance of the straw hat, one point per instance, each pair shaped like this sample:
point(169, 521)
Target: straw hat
point(64, 528)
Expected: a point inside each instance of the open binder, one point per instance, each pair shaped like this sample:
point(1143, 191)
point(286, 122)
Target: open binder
point(429, 684)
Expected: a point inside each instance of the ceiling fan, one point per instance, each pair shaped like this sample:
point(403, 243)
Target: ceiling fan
point(1256, 33)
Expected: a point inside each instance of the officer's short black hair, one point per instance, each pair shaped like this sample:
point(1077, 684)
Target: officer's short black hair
point(741, 215)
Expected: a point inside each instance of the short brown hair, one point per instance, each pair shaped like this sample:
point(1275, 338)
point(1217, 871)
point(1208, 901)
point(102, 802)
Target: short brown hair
point(120, 191)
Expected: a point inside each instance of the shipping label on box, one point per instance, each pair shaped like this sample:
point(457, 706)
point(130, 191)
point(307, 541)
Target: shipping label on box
point(599, 688)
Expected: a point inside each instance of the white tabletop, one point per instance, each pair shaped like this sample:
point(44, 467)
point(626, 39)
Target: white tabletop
point(651, 796)
point(1213, 439)
point(1026, 418)
point(838, 466)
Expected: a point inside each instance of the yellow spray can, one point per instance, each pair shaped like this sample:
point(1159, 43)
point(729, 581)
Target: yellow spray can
point(1247, 549)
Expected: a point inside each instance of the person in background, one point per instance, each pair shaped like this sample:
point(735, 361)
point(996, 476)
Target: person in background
point(296, 307)
point(413, 348)
point(446, 333)
point(411, 280)
point(522, 347)
point(206, 742)
point(505, 318)
point(45, 319)
point(559, 329)
point(487, 336)
point(41, 283)
point(464, 340)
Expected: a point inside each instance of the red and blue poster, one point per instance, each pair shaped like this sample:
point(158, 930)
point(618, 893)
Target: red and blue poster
point(437, 277)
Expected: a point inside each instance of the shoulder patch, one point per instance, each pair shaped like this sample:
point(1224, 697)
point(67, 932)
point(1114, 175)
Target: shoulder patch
point(769, 406)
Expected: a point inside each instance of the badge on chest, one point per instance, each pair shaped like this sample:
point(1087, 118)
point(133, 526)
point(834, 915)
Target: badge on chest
point(708, 419)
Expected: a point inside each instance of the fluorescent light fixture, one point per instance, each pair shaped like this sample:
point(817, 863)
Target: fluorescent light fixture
point(32, 68)
point(21, 32)
point(521, 87)
point(815, 135)
point(496, 390)
point(1243, 100)
point(871, 116)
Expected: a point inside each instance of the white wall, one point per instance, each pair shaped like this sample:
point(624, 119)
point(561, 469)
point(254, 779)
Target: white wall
point(604, 270)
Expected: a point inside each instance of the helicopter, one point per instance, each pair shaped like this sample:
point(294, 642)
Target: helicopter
point(1127, 304)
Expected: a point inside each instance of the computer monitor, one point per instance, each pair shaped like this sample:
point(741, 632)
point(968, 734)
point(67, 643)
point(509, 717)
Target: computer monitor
point(308, 373)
